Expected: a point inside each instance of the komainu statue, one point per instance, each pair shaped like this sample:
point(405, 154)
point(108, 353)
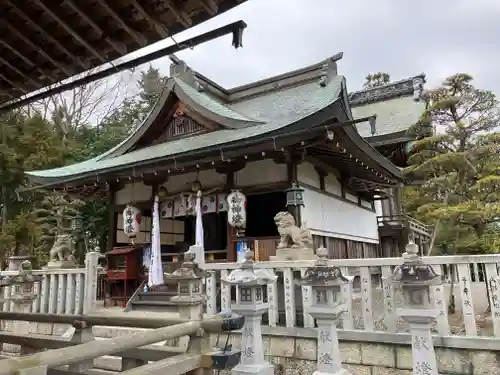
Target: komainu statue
point(61, 253)
point(291, 236)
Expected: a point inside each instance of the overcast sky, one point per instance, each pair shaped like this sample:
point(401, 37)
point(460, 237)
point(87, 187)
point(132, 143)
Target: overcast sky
point(403, 38)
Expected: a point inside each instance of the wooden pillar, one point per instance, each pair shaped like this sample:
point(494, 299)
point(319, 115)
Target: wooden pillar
point(229, 170)
point(112, 217)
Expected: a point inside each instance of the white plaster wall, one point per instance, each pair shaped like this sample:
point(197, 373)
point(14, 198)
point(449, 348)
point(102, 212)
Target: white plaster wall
point(308, 175)
point(333, 185)
point(133, 192)
point(261, 172)
point(328, 216)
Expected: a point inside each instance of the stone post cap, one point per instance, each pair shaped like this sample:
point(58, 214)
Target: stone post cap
point(248, 274)
point(413, 271)
point(321, 274)
point(189, 269)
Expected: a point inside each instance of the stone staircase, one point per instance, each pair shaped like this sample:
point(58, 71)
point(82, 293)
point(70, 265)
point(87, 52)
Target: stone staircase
point(157, 299)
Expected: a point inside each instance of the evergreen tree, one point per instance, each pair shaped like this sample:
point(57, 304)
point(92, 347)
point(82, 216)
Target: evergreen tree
point(376, 80)
point(456, 158)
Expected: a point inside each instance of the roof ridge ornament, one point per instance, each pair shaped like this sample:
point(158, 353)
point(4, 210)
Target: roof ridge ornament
point(180, 69)
point(329, 70)
point(405, 87)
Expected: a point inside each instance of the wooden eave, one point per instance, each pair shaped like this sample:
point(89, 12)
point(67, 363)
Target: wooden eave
point(361, 174)
point(43, 42)
point(389, 139)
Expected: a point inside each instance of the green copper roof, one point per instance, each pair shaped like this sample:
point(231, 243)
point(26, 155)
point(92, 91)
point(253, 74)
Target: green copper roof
point(211, 104)
point(274, 110)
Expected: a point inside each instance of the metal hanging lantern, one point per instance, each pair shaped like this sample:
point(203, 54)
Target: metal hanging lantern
point(295, 196)
point(132, 219)
point(77, 223)
point(237, 209)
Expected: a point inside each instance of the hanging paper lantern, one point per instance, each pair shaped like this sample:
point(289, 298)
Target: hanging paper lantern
point(132, 219)
point(237, 209)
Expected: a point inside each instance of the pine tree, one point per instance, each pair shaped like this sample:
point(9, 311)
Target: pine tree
point(456, 159)
point(376, 80)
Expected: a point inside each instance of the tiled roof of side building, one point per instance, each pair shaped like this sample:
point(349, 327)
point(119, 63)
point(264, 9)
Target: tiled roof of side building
point(397, 106)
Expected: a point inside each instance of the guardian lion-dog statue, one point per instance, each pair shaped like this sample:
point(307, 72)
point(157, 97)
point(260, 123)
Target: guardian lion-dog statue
point(291, 236)
point(61, 254)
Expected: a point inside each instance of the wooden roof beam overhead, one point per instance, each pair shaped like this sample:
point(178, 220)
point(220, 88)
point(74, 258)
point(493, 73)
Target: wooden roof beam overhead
point(18, 72)
point(17, 53)
point(70, 30)
point(117, 46)
point(160, 29)
point(21, 88)
point(19, 35)
point(210, 6)
point(140, 39)
point(181, 16)
point(46, 35)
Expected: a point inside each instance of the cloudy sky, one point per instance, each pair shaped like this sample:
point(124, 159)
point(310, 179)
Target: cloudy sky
point(403, 38)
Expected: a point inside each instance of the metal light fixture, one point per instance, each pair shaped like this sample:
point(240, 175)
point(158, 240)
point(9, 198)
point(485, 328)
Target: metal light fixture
point(77, 223)
point(295, 196)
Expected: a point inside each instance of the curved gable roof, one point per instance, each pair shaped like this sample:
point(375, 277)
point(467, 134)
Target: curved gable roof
point(273, 113)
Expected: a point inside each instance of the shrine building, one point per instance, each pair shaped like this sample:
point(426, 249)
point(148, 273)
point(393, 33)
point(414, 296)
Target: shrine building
point(258, 139)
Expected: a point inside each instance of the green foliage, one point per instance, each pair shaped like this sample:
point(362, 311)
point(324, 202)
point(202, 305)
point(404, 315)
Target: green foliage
point(376, 80)
point(456, 158)
point(28, 141)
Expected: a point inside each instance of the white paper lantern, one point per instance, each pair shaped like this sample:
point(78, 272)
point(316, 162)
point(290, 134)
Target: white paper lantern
point(132, 219)
point(237, 209)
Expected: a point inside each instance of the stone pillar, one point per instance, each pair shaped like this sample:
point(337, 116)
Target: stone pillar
point(90, 289)
point(415, 279)
point(250, 283)
point(327, 308)
point(22, 299)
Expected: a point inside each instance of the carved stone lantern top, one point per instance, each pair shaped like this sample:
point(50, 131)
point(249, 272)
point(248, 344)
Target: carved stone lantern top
point(321, 274)
point(190, 270)
point(25, 275)
point(414, 272)
point(23, 284)
point(247, 275)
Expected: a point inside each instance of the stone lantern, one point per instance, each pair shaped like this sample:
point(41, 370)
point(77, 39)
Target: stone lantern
point(327, 307)
point(24, 286)
point(415, 279)
point(190, 289)
point(22, 297)
point(250, 283)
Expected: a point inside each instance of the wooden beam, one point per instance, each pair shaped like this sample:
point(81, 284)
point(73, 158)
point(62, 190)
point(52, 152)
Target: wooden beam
point(181, 16)
point(15, 85)
point(20, 36)
point(17, 53)
point(46, 35)
point(139, 39)
point(70, 30)
point(160, 29)
point(117, 46)
point(210, 6)
point(24, 76)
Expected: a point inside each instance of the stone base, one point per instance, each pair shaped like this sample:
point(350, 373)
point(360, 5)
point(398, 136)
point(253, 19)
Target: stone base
point(60, 264)
point(293, 254)
point(264, 368)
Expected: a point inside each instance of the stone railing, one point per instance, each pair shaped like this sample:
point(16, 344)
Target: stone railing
point(61, 291)
point(372, 301)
